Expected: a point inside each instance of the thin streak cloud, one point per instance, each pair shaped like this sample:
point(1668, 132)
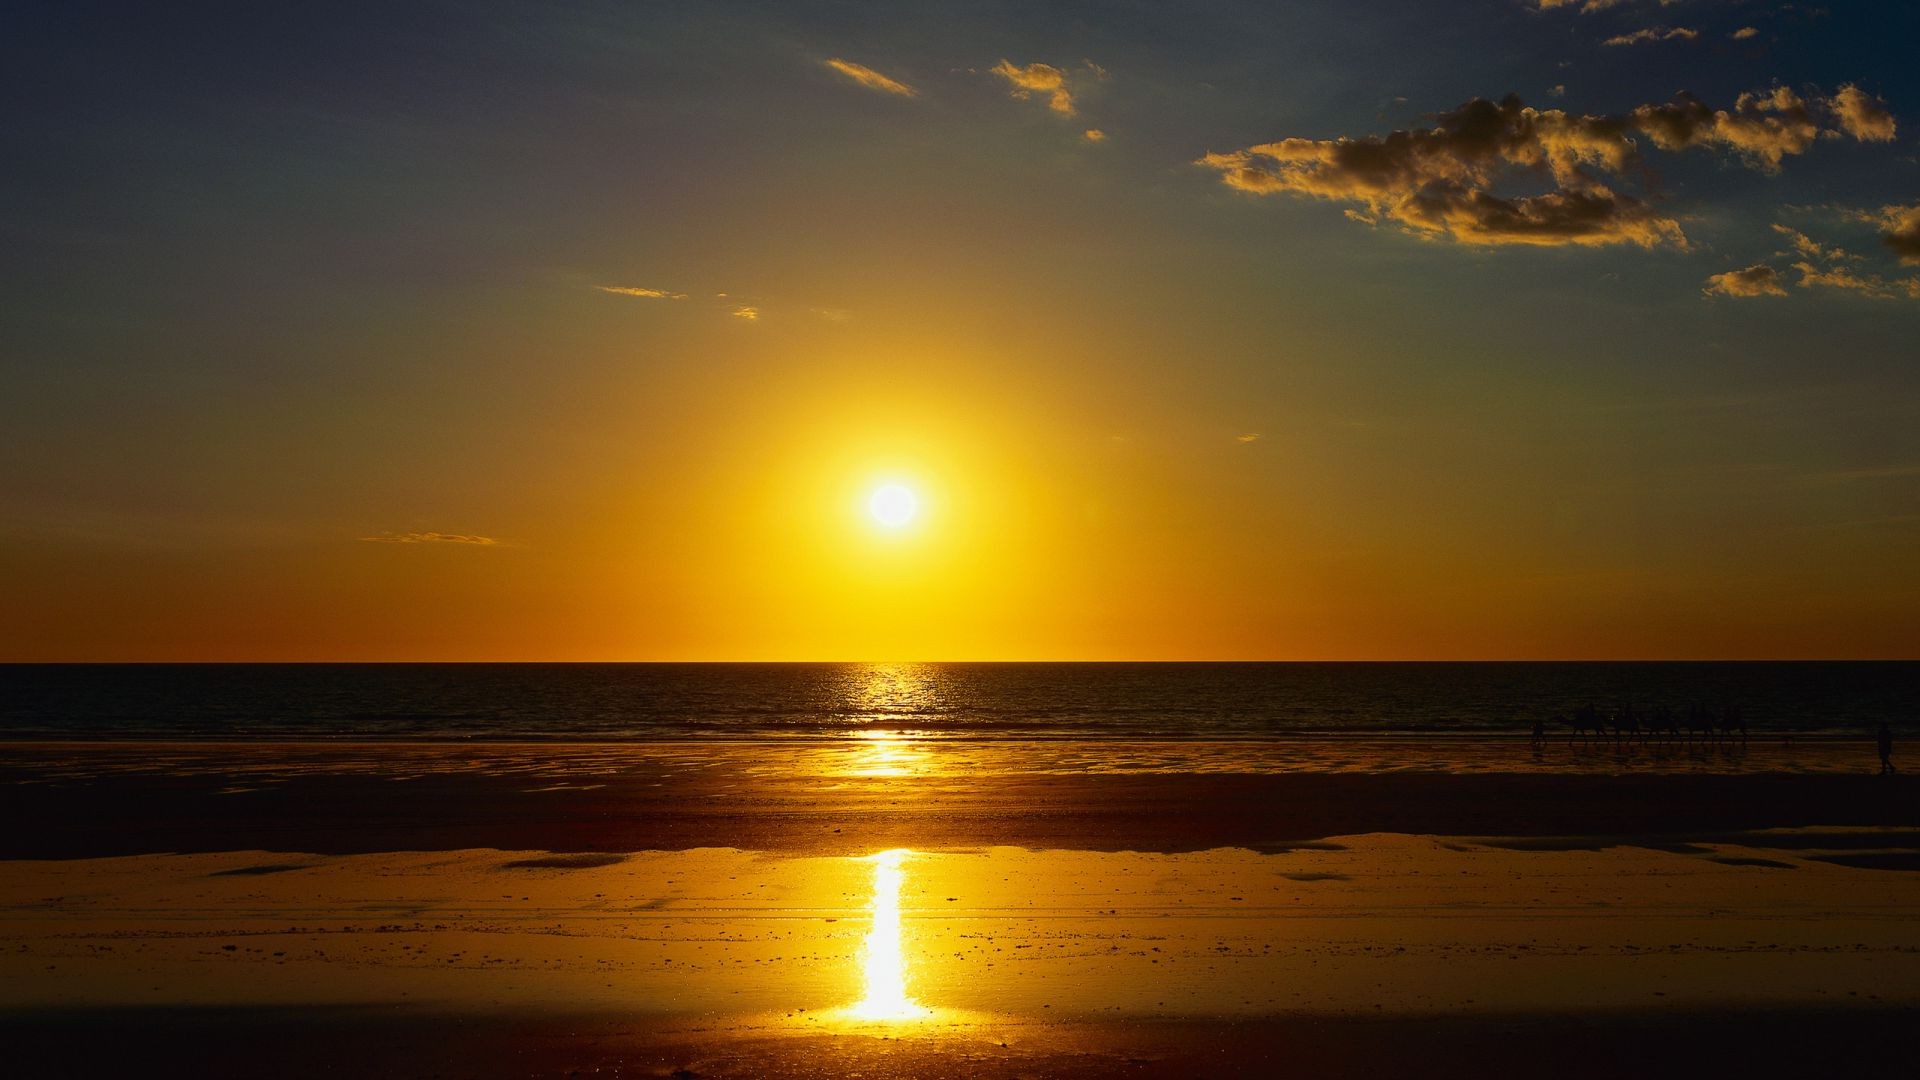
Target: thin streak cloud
point(642, 293)
point(430, 538)
point(871, 79)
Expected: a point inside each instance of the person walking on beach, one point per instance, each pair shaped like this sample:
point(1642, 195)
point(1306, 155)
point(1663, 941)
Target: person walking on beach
point(1884, 739)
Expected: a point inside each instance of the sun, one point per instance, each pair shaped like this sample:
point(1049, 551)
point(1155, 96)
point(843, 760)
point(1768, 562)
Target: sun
point(894, 506)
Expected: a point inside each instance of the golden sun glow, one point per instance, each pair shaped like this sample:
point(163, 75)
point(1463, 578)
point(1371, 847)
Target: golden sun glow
point(883, 963)
point(893, 505)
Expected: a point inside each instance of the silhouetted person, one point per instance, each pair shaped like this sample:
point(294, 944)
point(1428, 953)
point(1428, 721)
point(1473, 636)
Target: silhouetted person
point(1884, 740)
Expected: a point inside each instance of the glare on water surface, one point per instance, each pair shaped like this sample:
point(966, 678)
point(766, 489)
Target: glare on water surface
point(883, 963)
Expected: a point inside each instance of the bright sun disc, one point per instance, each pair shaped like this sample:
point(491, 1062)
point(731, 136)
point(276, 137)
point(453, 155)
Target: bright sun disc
point(893, 505)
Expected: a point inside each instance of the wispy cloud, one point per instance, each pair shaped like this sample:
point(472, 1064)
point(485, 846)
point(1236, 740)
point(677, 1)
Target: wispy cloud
point(1820, 266)
point(1756, 280)
point(1851, 280)
point(1038, 78)
point(1810, 248)
point(1650, 34)
point(746, 313)
point(1094, 135)
point(643, 293)
point(1249, 437)
point(430, 538)
point(1744, 33)
point(871, 79)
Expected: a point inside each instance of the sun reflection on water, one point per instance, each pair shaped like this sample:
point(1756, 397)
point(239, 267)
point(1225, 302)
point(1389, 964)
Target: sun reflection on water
point(883, 962)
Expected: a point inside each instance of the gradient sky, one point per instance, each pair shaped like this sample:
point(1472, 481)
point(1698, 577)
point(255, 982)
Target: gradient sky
point(580, 331)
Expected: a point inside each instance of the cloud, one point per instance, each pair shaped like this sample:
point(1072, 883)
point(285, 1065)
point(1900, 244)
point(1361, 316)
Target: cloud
point(1557, 90)
point(1444, 181)
point(871, 79)
point(1744, 33)
point(1038, 78)
point(429, 538)
point(646, 294)
point(746, 313)
point(1763, 127)
point(1900, 227)
point(1756, 280)
point(1650, 34)
point(1439, 181)
point(1251, 436)
point(1587, 7)
point(1846, 278)
point(1094, 135)
point(1862, 115)
point(1810, 248)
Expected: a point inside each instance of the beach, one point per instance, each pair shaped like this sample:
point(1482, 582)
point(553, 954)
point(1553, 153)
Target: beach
point(1222, 909)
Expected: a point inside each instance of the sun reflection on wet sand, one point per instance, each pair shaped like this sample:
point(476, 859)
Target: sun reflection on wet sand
point(886, 753)
point(883, 963)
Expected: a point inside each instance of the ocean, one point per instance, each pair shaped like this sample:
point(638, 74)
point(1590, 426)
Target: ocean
point(1117, 701)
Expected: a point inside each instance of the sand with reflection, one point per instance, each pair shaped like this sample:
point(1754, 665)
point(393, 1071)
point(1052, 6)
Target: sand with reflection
point(1355, 925)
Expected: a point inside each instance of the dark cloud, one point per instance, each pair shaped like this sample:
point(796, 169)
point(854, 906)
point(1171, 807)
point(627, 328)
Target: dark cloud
point(1763, 127)
point(1439, 181)
point(1443, 181)
point(1902, 231)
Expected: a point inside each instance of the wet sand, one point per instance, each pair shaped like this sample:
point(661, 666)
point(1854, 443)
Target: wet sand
point(89, 800)
point(454, 910)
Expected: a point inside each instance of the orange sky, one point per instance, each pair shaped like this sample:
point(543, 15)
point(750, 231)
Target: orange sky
point(586, 338)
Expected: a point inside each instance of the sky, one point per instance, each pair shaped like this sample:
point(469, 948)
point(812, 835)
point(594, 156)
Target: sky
point(1326, 330)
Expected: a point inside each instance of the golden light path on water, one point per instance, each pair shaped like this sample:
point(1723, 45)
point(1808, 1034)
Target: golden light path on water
point(883, 962)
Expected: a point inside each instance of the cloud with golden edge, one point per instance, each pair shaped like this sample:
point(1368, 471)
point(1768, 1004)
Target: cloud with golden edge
point(1900, 230)
point(1862, 115)
point(1756, 280)
point(430, 538)
point(1763, 127)
point(645, 294)
point(1038, 78)
point(1439, 182)
point(1744, 33)
point(1846, 278)
point(1807, 247)
point(1094, 135)
point(871, 79)
point(1249, 437)
point(1650, 34)
point(746, 313)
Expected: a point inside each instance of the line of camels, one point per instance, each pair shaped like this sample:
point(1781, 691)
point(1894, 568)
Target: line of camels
point(1697, 722)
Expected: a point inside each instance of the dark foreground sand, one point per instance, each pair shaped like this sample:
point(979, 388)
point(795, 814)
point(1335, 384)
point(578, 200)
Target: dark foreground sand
point(384, 1043)
point(422, 910)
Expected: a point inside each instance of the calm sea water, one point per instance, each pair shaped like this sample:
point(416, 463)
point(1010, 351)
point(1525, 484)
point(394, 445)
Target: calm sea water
point(1121, 701)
